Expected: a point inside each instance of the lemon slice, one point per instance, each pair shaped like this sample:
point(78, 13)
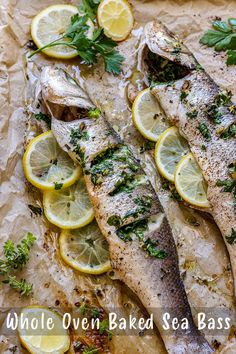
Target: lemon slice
point(190, 183)
point(116, 17)
point(85, 249)
point(51, 24)
point(170, 149)
point(42, 339)
point(47, 166)
point(68, 208)
point(147, 116)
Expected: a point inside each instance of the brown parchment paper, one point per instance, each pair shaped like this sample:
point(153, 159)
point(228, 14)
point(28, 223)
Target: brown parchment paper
point(54, 282)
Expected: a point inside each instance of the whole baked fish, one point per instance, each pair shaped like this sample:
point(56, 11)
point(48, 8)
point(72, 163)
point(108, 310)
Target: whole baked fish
point(204, 115)
point(127, 209)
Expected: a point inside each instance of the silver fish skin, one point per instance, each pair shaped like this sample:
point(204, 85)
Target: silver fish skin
point(109, 166)
point(191, 102)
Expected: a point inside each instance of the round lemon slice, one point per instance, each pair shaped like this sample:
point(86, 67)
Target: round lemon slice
point(147, 116)
point(68, 208)
point(170, 149)
point(85, 249)
point(190, 183)
point(116, 17)
point(38, 338)
point(51, 24)
point(47, 166)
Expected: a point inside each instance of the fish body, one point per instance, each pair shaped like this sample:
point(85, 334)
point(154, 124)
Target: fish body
point(129, 214)
point(202, 112)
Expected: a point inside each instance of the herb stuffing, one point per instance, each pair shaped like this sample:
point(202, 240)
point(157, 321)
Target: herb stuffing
point(222, 37)
point(204, 131)
point(231, 238)
point(89, 50)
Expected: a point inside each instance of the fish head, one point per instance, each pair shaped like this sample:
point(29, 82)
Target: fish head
point(66, 102)
point(159, 49)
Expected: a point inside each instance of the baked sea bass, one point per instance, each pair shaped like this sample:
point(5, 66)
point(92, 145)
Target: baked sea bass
point(126, 207)
point(205, 116)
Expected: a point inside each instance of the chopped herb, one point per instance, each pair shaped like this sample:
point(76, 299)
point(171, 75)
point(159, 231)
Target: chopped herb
point(199, 67)
point(203, 147)
point(94, 113)
point(78, 134)
point(229, 185)
point(36, 210)
point(222, 37)
point(144, 204)
point(174, 194)
point(232, 238)
point(127, 183)
point(192, 114)
point(230, 132)
point(204, 131)
point(183, 95)
point(137, 227)
point(89, 50)
point(223, 98)
point(103, 164)
point(114, 220)
point(163, 70)
point(58, 186)
point(104, 328)
point(151, 247)
point(45, 118)
point(147, 145)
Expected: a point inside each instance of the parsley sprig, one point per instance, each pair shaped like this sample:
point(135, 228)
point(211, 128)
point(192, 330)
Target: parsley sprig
point(88, 49)
point(15, 259)
point(222, 37)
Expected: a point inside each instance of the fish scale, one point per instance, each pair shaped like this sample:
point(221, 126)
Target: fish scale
point(154, 279)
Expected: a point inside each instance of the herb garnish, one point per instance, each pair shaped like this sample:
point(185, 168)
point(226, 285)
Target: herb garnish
point(137, 227)
point(144, 204)
point(78, 134)
point(104, 328)
point(232, 238)
point(204, 131)
point(192, 114)
point(230, 132)
point(89, 50)
point(222, 37)
point(94, 113)
point(147, 145)
point(229, 185)
point(44, 117)
point(183, 95)
point(16, 258)
point(150, 247)
point(36, 210)
point(58, 186)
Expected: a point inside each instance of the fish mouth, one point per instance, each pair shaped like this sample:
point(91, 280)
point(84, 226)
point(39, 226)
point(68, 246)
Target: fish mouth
point(64, 98)
point(162, 57)
point(159, 70)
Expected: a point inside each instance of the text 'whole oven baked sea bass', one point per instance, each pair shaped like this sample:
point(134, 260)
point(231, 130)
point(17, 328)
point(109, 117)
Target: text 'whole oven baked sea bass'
point(127, 209)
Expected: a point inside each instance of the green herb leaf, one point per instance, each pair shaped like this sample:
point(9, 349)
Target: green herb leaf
point(89, 49)
point(204, 131)
point(231, 60)
point(94, 113)
point(44, 117)
point(20, 285)
point(151, 247)
point(104, 328)
point(222, 37)
point(58, 186)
